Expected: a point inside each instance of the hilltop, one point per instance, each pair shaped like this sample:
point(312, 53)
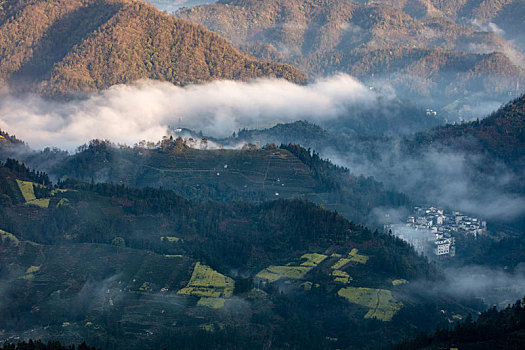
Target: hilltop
point(63, 47)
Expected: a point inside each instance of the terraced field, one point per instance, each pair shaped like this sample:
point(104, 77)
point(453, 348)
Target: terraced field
point(352, 257)
point(170, 239)
point(362, 259)
point(380, 302)
point(274, 273)
point(399, 282)
point(291, 271)
point(30, 272)
point(212, 286)
point(275, 173)
point(341, 276)
point(28, 192)
point(26, 187)
point(313, 259)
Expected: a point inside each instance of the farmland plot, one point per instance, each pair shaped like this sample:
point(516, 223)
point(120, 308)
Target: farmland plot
point(209, 284)
point(380, 302)
point(291, 271)
point(9, 238)
point(352, 257)
point(28, 192)
point(313, 259)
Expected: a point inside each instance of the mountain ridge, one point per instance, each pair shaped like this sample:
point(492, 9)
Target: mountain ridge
point(375, 41)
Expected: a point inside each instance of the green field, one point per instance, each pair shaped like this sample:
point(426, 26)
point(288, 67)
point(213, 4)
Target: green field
point(170, 238)
point(291, 271)
point(340, 263)
point(30, 272)
point(352, 257)
point(206, 282)
point(380, 302)
point(26, 187)
point(41, 202)
point(28, 192)
point(362, 259)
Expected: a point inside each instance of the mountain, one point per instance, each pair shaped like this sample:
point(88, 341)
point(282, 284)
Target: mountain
point(426, 56)
point(473, 167)
point(123, 268)
point(65, 47)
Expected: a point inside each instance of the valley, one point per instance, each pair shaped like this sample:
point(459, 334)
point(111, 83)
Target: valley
point(262, 174)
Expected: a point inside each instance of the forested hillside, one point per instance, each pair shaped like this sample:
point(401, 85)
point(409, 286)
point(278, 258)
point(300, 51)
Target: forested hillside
point(501, 134)
point(119, 267)
point(493, 329)
point(252, 175)
point(39, 345)
point(62, 47)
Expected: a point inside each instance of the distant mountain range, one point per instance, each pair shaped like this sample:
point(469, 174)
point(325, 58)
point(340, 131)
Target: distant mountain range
point(427, 55)
point(69, 46)
point(500, 135)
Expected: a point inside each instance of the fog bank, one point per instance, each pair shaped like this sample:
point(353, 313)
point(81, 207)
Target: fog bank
point(145, 109)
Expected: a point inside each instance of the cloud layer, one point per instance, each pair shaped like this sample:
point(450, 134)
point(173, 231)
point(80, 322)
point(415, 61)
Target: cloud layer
point(144, 110)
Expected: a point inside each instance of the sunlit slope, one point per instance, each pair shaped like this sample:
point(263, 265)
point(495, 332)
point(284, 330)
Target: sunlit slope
point(68, 46)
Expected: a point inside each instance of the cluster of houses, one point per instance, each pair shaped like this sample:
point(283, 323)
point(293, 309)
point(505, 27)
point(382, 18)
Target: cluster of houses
point(431, 112)
point(431, 230)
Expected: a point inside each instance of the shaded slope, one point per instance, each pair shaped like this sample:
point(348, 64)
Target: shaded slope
point(106, 263)
point(225, 175)
point(502, 134)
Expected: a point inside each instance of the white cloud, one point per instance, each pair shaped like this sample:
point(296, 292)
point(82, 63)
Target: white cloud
point(144, 110)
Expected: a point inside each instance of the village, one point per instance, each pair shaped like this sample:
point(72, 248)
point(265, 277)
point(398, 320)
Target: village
point(432, 230)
